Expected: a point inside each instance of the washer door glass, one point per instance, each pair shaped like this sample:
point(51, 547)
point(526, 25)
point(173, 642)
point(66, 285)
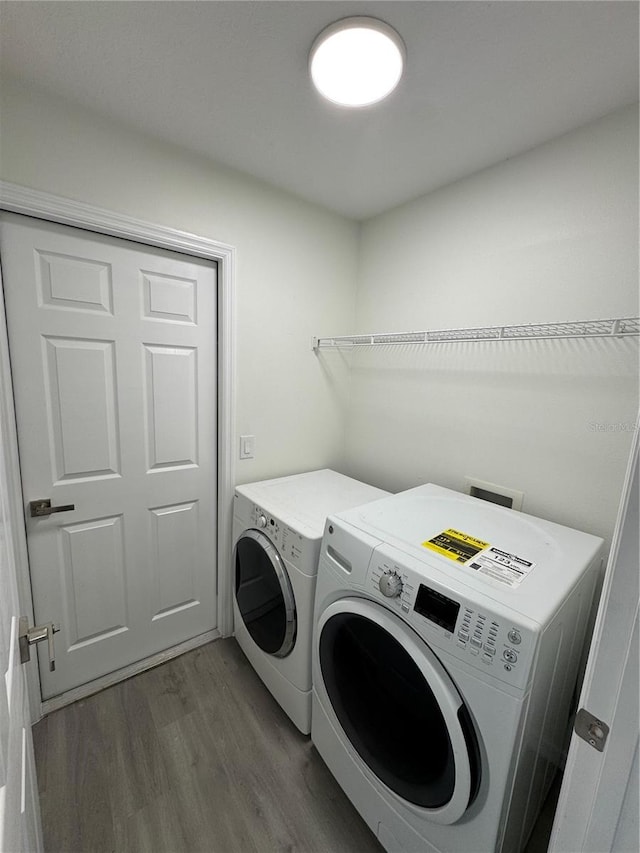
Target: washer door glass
point(263, 594)
point(398, 707)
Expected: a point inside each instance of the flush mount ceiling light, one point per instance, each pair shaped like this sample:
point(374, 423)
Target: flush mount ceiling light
point(357, 61)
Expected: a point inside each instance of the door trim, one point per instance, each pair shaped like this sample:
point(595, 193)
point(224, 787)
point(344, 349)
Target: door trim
point(15, 198)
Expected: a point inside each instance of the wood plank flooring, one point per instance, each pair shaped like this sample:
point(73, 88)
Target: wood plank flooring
point(194, 755)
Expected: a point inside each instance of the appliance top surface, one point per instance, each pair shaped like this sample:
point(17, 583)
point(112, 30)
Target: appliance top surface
point(305, 500)
point(527, 563)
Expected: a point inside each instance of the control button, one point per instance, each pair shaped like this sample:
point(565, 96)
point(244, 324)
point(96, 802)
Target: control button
point(514, 637)
point(508, 667)
point(461, 643)
point(489, 650)
point(487, 658)
point(476, 642)
point(464, 635)
point(262, 521)
point(475, 651)
point(390, 584)
point(510, 656)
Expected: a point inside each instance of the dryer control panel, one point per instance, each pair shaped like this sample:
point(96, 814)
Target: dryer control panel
point(291, 545)
point(473, 632)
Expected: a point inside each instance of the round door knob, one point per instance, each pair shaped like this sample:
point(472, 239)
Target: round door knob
point(262, 521)
point(390, 584)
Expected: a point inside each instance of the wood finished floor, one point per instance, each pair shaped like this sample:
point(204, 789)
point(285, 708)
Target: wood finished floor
point(194, 755)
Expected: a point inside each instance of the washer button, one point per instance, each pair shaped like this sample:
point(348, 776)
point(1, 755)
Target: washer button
point(510, 656)
point(476, 642)
point(514, 637)
point(487, 658)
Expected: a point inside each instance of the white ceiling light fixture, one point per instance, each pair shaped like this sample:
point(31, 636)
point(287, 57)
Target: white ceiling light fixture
point(357, 61)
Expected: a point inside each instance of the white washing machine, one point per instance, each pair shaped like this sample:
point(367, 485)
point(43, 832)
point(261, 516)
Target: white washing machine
point(277, 531)
point(447, 642)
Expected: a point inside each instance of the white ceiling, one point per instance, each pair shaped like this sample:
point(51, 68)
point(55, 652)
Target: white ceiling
point(484, 81)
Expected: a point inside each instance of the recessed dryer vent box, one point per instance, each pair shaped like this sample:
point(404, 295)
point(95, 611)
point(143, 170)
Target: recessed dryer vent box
point(501, 495)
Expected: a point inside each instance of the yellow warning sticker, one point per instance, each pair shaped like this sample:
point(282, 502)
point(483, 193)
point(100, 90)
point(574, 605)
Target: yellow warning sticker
point(456, 545)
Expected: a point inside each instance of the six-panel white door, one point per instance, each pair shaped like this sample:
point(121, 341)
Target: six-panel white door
point(113, 350)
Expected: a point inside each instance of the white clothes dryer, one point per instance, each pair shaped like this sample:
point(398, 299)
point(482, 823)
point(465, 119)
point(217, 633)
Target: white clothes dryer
point(277, 531)
point(447, 643)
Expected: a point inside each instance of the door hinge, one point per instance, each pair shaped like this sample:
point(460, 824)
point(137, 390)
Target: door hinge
point(591, 729)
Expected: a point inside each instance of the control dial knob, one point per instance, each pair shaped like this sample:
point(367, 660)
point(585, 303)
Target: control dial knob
point(390, 584)
point(262, 521)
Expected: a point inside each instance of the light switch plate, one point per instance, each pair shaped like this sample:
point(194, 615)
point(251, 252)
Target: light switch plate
point(247, 446)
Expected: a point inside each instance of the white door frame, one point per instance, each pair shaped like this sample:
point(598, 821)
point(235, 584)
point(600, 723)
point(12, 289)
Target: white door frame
point(597, 795)
point(41, 205)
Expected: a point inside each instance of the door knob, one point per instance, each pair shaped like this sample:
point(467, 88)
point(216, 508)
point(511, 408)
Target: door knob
point(29, 636)
point(42, 507)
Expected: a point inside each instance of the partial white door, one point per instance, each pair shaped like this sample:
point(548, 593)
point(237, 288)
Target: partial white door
point(19, 810)
point(598, 805)
point(113, 352)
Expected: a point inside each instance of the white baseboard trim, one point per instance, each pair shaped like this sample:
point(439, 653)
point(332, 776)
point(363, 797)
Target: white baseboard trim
point(56, 702)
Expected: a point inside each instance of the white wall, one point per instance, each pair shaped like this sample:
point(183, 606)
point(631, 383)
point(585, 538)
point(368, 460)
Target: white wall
point(550, 235)
point(296, 263)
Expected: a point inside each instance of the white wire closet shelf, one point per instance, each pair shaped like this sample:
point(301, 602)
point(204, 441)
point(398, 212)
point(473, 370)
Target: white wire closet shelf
point(619, 328)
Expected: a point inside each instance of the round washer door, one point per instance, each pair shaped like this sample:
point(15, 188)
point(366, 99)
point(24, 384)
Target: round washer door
point(399, 708)
point(263, 594)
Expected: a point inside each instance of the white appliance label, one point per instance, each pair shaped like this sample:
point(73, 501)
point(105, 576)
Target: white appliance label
point(502, 566)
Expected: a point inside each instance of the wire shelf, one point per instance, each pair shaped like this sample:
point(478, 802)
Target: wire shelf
point(619, 328)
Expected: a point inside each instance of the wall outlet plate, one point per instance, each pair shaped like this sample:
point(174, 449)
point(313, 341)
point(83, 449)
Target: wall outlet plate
point(493, 493)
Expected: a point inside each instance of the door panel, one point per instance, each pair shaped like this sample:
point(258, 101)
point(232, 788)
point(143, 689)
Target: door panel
point(73, 283)
point(81, 396)
point(113, 349)
point(171, 386)
point(174, 532)
point(169, 299)
point(94, 583)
